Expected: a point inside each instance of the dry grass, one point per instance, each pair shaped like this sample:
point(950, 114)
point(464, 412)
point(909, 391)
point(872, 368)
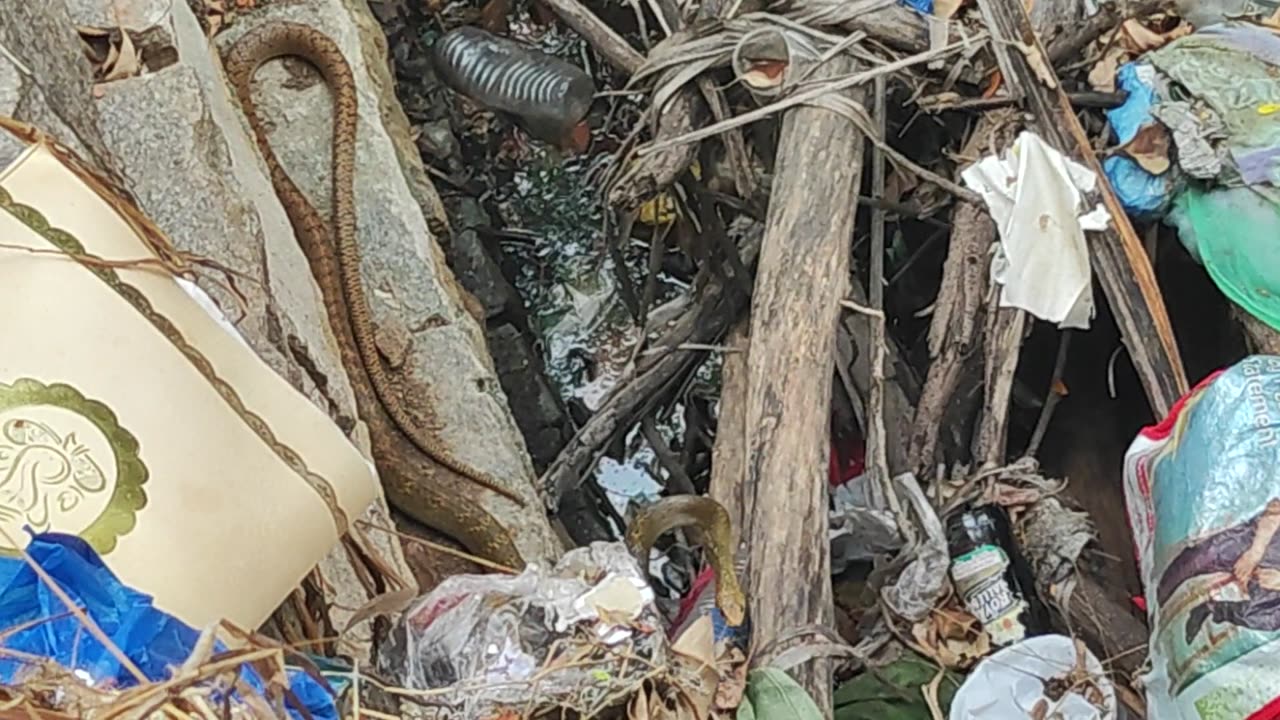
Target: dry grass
point(200, 688)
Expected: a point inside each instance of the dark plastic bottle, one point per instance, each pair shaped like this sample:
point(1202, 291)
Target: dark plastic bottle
point(547, 96)
point(990, 576)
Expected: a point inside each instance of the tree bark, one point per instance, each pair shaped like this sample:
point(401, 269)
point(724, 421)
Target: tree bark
point(803, 274)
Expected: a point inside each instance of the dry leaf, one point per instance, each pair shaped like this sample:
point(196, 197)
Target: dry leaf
point(931, 696)
point(898, 184)
point(639, 707)
point(1149, 148)
point(1139, 38)
point(765, 74)
point(952, 637)
point(733, 682)
point(696, 647)
point(946, 8)
point(215, 16)
point(122, 62)
point(1103, 75)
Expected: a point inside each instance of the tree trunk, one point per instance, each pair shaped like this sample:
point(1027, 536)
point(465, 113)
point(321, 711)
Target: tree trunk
point(803, 274)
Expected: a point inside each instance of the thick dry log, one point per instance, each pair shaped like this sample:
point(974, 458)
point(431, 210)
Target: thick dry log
point(1005, 333)
point(803, 275)
point(1117, 254)
point(1110, 626)
point(954, 332)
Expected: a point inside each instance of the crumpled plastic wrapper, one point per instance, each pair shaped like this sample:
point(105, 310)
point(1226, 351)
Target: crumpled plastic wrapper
point(1052, 537)
point(1194, 128)
point(1045, 676)
point(923, 582)
point(859, 531)
point(548, 636)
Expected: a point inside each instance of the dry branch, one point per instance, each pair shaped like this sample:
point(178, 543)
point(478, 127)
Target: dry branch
point(954, 332)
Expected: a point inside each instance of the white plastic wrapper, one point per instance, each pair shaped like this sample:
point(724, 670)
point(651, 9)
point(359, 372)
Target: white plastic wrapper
point(1045, 671)
point(491, 637)
point(1036, 198)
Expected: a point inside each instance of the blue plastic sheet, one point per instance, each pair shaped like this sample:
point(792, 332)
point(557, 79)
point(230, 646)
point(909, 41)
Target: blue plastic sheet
point(924, 7)
point(1141, 193)
point(152, 639)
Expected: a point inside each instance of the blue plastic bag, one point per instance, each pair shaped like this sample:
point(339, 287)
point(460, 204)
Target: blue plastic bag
point(153, 640)
point(1140, 193)
point(924, 7)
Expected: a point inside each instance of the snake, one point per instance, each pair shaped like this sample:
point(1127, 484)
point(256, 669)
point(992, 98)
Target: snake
point(333, 254)
point(709, 516)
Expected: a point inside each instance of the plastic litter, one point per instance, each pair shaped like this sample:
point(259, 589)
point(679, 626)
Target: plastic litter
point(153, 640)
point(1234, 68)
point(1034, 195)
point(1203, 502)
point(1141, 193)
point(1014, 681)
point(1232, 232)
point(491, 638)
point(924, 7)
point(700, 601)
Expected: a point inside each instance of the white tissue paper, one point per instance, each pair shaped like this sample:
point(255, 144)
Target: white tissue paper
point(1034, 195)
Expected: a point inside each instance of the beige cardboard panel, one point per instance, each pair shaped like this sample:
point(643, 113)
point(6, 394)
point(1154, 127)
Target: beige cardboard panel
point(237, 464)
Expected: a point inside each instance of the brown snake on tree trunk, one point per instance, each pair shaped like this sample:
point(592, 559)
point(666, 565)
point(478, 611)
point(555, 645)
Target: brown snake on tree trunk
point(434, 498)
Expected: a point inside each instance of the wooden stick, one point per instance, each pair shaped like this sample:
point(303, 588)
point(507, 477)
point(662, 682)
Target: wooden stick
point(728, 458)
point(954, 332)
point(803, 274)
point(876, 454)
point(1004, 346)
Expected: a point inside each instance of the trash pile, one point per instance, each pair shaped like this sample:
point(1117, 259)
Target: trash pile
point(945, 337)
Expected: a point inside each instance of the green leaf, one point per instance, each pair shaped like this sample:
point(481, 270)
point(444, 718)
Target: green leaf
point(894, 692)
point(774, 695)
point(745, 711)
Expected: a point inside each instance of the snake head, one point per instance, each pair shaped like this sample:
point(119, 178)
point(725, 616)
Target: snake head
point(732, 607)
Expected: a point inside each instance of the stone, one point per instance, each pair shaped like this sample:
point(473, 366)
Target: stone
point(407, 279)
point(540, 413)
point(174, 137)
point(49, 81)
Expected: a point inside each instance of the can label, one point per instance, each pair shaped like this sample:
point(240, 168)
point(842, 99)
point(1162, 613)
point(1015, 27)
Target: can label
point(979, 579)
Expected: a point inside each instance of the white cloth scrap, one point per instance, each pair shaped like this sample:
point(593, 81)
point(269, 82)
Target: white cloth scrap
point(1034, 194)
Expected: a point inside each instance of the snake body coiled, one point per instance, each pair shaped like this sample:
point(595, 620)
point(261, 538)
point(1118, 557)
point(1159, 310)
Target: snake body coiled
point(400, 442)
